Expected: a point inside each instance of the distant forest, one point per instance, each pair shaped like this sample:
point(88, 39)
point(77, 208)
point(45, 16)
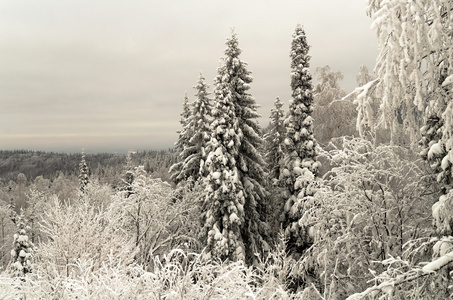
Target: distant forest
point(50, 164)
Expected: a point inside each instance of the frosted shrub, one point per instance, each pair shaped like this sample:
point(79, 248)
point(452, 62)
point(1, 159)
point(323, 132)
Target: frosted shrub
point(81, 231)
point(370, 205)
point(155, 220)
point(177, 275)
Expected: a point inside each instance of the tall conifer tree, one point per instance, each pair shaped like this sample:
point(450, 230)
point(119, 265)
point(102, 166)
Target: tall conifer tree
point(299, 164)
point(235, 202)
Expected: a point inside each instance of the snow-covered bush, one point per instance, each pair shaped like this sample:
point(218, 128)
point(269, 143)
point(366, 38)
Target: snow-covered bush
point(81, 231)
point(177, 275)
point(371, 204)
point(154, 218)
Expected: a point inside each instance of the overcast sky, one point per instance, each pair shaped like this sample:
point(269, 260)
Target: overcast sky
point(111, 75)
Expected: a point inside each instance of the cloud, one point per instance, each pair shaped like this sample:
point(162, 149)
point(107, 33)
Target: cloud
point(75, 71)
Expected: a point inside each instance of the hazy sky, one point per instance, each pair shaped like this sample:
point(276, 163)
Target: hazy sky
point(111, 75)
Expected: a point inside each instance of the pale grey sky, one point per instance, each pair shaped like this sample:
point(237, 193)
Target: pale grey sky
point(110, 75)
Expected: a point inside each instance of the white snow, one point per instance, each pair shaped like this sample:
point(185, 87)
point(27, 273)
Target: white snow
point(448, 80)
point(286, 172)
point(301, 195)
point(234, 218)
point(304, 132)
point(438, 263)
point(435, 149)
point(445, 162)
point(297, 170)
point(218, 151)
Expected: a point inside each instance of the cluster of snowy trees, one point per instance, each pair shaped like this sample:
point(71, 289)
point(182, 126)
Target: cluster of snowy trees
point(221, 152)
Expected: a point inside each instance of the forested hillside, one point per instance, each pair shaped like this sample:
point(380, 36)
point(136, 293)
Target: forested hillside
point(49, 164)
point(342, 196)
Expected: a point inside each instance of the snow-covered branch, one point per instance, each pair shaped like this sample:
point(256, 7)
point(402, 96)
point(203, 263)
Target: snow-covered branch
point(388, 285)
point(361, 90)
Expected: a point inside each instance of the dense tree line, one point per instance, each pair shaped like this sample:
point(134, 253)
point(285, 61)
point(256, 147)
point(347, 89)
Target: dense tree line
point(49, 164)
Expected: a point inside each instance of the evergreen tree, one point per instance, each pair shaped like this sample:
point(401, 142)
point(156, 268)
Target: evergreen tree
point(432, 134)
point(183, 139)
point(128, 177)
point(83, 174)
point(234, 207)
point(21, 254)
point(299, 163)
point(198, 125)
point(274, 141)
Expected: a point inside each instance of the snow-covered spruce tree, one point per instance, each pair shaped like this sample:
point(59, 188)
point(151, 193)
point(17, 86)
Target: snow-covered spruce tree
point(83, 174)
point(274, 154)
point(274, 141)
point(433, 143)
point(183, 139)
point(300, 165)
point(128, 176)
point(233, 208)
point(198, 125)
point(21, 254)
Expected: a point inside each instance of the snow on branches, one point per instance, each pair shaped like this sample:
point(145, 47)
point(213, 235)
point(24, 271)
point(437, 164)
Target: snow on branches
point(415, 47)
point(194, 135)
point(234, 203)
point(299, 163)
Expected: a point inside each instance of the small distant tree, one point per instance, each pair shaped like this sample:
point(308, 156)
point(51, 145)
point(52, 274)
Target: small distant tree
point(274, 155)
point(328, 101)
point(368, 120)
point(83, 173)
point(20, 196)
point(274, 141)
point(22, 252)
point(128, 176)
point(183, 139)
point(300, 165)
point(328, 87)
point(64, 187)
point(198, 125)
